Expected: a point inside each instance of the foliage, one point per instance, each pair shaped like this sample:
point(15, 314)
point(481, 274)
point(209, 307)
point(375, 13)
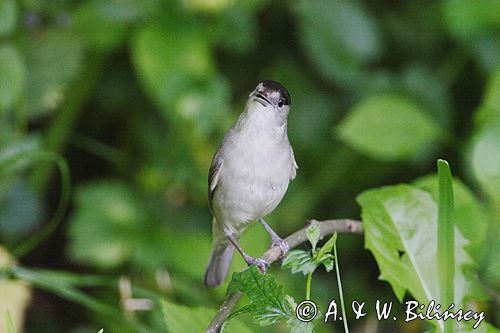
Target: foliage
point(267, 304)
point(130, 99)
point(307, 261)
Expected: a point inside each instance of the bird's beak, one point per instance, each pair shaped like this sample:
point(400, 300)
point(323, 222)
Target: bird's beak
point(260, 97)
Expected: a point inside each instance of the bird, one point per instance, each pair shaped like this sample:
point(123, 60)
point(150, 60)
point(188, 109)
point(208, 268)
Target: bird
point(249, 176)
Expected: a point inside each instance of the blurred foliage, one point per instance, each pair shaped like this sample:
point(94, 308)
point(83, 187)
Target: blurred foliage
point(136, 96)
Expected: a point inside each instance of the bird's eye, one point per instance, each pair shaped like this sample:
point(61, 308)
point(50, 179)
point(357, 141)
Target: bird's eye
point(281, 102)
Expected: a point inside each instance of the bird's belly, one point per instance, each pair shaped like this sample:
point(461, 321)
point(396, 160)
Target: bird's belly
point(246, 201)
point(252, 191)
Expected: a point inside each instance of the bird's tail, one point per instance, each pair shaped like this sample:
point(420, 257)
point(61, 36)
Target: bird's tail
point(220, 259)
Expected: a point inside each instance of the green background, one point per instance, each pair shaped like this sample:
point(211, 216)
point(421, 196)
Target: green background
point(136, 96)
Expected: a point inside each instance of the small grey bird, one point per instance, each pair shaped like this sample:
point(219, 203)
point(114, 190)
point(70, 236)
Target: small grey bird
point(249, 176)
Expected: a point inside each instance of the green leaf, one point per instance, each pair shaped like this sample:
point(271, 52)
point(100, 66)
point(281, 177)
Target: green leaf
point(176, 68)
point(389, 128)
point(8, 16)
point(469, 215)
point(485, 158)
point(167, 59)
point(446, 238)
point(105, 23)
point(182, 319)
point(53, 59)
point(12, 76)
point(299, 261)
point(295, 325)
point(399, 222)
point(328, 263)
point(490, 105)
point(340, 38)
point(313, 233)
point(468, 19)
point(327, 247)
point(236, 29)
point(104, 228)
point(267, 303)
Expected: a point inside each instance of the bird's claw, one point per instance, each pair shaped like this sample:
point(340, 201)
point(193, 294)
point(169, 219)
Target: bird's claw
point(276, 241)
point(261, 264)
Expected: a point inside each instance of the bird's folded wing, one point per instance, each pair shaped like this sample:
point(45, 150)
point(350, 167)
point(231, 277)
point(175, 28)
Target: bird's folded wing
point(213, 177)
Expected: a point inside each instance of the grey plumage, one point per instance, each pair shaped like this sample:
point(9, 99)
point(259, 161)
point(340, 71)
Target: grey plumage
point(249, 175)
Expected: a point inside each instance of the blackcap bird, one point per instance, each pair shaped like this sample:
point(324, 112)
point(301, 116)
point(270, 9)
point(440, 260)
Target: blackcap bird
point(249, 176)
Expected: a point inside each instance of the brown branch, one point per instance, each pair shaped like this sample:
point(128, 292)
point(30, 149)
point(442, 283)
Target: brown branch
point(327, 227)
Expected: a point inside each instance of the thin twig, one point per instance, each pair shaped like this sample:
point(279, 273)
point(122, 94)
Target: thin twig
point(327, 228)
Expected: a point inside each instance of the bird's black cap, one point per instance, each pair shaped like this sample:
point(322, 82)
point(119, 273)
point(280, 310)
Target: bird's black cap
point(276, 86)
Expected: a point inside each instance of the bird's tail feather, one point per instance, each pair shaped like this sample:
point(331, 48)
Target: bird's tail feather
point(218, 265)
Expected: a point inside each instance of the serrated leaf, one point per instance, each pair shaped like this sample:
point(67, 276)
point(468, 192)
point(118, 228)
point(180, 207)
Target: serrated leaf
point(389, 128)
point(267, 303)
point(297, 326)
point(300, 261)
point(401, 221)
point(313, 233)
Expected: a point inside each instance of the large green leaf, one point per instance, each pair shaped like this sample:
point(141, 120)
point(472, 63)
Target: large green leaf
point(167, 59)
point(340, 37)
point(177, 70)
point(400, 230)
point(53, 59)
point(389, 128)
point(469, 215)
point(105, 225)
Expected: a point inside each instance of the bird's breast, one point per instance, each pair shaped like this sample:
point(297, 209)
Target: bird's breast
point(255, 176)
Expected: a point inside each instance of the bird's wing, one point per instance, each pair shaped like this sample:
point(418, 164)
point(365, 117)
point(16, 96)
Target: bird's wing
point(213, 177)
point(294, 167)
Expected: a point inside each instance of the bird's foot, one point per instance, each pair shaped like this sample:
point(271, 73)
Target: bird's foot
point(261, 264)
point(277, 241)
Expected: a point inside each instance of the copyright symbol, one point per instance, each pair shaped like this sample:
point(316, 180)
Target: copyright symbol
point(306, 311)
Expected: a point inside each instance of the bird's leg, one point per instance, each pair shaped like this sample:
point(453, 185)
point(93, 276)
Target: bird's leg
point(275, 239)
point(261, 264)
